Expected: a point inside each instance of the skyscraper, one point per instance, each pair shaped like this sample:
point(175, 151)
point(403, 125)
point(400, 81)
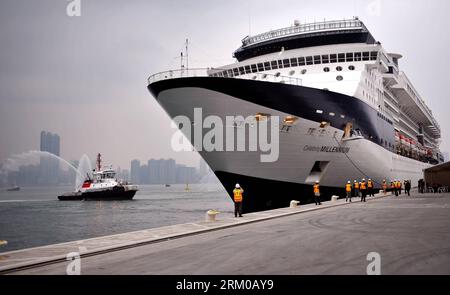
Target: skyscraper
point(135, 170)
point(49, 167)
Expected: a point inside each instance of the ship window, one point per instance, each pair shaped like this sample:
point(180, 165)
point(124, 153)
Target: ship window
point(325, 59)
point(341, 57)
point(241, 71)
point(333, 58)
point(247, 69)
point(286, 63)
point(357, 56)
point(349, 56)
point(260, 67)
point(351, 68)
point(254, 70)
point(267, 66)
point(291, 73)
point(274, 65)
point(373, 55)
point(301, 61)
point(366, 55)
point(294, 62)
point(339, 69)
point(280, 64)
point(230, 73)
point(339, 78)
point(309, 60)
point(317, 59)
point(326, 69)
point(277, 74)
point(319, 111)
point(236, 72)
point(225, 74)
point(304, 71)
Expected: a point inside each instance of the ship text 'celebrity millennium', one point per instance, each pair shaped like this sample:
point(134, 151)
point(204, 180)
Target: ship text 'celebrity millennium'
point(344, 110)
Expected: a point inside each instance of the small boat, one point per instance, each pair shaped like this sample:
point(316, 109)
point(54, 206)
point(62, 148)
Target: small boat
point(14, 189)
point(103, 185)
point(167, 185)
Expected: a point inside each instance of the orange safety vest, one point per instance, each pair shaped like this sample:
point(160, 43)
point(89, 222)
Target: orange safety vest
point(316, 189)
point(392, 185)
point(397, 184)
point(348, 187)
point(363, 185)
point(356, 185)
point(384, 186)
point(237, 195)
point(370, 184)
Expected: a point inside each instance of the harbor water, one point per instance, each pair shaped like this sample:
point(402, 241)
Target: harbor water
point(34, 217)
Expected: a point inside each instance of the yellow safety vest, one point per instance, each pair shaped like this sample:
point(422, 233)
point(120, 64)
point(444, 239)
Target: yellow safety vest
point(356, 185)
point(348, 187)
point(370, 184)
point(316, 189)
point(363, 185)
point(237, 193)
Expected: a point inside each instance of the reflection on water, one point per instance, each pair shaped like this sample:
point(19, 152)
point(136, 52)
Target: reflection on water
point(34, 217)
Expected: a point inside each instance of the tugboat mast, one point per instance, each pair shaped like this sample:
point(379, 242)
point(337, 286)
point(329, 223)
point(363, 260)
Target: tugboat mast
point(99, 162)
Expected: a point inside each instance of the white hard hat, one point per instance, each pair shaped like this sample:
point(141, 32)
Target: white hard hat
point(237, 185)
point(317, 181)
point(364, 179)
point(354, 181)
point(348, 181)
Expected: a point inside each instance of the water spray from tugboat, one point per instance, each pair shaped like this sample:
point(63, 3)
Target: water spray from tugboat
point(14, 162)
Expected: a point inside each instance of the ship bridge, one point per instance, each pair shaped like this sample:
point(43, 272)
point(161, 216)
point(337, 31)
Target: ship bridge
point(304, 35)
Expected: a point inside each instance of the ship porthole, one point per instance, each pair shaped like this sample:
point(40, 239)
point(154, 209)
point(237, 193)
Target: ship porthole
point(327, 69)
point(303, 71)
point(339, 78)
point(351, 68)
point(339, 69)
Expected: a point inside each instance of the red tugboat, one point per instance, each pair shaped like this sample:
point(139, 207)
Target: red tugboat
point(103, 185)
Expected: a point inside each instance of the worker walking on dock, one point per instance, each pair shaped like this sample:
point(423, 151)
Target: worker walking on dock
point(407, 187)
point(348, 191)
point(384, 186)
point(363, 188)
point(238, 198)
point(370, 188)
point(356, 189)
point(316, 189)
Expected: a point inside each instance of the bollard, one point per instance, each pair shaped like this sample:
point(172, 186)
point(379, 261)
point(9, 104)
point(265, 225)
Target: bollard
point(294, 204)
point(334, 198)
point(211, 215)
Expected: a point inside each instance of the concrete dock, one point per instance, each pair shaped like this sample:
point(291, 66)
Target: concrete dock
point(411, 235)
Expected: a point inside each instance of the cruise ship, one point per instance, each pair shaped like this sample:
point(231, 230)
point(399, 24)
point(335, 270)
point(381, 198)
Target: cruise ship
point(345, 109)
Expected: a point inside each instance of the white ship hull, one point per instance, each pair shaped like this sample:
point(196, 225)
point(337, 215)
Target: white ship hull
point(299, 151)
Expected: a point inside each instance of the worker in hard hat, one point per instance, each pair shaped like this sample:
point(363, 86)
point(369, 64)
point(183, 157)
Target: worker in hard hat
point(316, 190)
point(363, 188)
point(370, 188)
point(348, 191)
point(238, 193)
point(356, 189)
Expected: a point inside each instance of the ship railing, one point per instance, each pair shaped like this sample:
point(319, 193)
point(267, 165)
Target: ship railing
point(219, 73)
point(304, 28)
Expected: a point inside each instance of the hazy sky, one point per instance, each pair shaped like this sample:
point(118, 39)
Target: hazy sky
point(85, 77)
